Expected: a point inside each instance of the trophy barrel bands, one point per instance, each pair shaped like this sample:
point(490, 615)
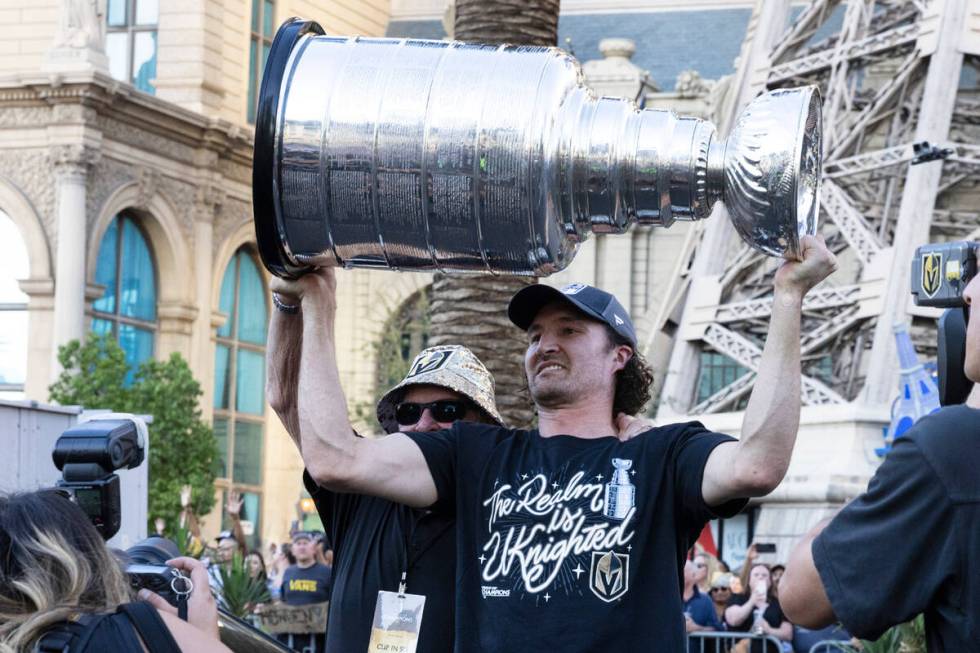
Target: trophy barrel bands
point(434, 155)
point(421, 155)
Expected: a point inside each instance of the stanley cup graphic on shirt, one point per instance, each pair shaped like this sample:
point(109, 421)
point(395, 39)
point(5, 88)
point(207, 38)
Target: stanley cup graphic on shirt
point(620, 492)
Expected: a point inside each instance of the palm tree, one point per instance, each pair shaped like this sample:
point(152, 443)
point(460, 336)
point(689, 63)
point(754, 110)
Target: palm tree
point(472, 311)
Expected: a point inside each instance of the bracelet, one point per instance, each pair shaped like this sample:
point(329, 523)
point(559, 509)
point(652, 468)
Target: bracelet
point(288, 309)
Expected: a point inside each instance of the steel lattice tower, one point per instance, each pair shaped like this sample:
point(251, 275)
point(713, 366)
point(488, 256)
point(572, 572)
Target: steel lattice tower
point(891, 74)
point(890, 77)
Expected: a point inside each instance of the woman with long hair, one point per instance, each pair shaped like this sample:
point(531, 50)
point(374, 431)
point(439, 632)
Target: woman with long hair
point(758, 611)
point(255, 563)
point(55, 569)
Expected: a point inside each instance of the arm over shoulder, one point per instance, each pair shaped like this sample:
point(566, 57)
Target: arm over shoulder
point(391, 467)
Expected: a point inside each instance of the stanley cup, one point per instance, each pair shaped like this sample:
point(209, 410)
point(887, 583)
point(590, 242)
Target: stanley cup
point(437, 155)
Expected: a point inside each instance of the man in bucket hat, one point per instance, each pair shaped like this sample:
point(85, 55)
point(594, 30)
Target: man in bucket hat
point(567, 537)
point(375, 540)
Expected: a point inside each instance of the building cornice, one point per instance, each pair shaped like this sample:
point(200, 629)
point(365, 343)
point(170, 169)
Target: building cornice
point(119, 101)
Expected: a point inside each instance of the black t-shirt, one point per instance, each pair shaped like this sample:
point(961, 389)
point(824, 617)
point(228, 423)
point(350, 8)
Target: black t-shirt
point(371, 538)
point(773, 615)
point(570, 544)
point(911, 542)
point(302, 587)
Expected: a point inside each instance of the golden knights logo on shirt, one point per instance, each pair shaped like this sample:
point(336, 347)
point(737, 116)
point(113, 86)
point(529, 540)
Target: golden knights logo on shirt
point(610, 577)
point(558, 534)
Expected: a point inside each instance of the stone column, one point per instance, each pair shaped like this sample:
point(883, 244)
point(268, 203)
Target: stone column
point(208, 202)
point(71, 163)
point(40, 307)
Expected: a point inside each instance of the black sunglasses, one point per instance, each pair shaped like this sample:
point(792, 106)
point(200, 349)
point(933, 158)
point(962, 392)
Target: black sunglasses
point(444, 410)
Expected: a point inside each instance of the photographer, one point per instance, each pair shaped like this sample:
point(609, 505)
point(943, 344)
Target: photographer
point(920, 514)
point(59, 582)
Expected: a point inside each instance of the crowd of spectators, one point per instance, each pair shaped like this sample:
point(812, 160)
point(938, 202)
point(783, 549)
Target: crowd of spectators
point(306, 559)
point(718, 600)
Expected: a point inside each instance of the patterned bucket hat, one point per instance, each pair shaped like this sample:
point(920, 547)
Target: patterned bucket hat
point(452, 367)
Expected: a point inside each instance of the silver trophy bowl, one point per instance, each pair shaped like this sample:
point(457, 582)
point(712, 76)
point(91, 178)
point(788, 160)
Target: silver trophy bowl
point(437, 155)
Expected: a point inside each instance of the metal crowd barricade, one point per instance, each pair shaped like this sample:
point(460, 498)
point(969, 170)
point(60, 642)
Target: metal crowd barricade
point(832, 646)
point(726, 641)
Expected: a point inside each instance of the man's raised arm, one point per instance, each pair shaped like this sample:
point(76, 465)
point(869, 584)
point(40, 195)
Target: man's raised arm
point(283, 351)
point(756, 464)
point(391, 467)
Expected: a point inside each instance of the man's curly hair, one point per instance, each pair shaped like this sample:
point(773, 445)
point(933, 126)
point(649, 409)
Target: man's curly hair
point(633, 382)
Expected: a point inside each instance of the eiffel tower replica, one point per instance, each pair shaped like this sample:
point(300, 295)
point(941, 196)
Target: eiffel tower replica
point(893, 75)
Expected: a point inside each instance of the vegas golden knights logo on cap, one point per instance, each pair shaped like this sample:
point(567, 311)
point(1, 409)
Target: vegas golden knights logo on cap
point(932, 265)
point(430, 362)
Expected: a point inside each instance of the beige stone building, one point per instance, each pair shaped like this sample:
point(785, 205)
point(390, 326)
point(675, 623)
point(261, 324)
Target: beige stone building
point(125, 205)
point(125, 202)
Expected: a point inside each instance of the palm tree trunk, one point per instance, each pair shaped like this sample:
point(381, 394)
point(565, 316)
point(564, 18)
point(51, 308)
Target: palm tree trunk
point(472, 311)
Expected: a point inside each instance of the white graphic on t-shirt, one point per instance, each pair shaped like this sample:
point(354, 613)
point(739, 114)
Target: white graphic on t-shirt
point(536, 526)
point(610, 575)
point(620, 492)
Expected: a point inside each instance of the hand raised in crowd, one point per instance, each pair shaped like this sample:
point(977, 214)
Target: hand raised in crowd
point(202, 610)
point(630, 426)
point(818, 263)
point(233, 505)
point(185, 495)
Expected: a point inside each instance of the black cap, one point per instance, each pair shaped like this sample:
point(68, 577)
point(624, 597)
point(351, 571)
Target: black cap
point(308, 535)
point(595, 303)
point(226, 535)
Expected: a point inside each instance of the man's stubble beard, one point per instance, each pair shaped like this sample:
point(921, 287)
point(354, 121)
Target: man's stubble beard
point(554, 394)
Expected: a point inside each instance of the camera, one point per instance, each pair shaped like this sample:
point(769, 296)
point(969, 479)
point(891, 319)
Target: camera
point(147, 568)
point(88, 454)
point(940, 272)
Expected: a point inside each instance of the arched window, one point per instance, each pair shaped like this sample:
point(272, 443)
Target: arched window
point(13, 310)
point(128, 308)
point(405, 334)
point(239, 382)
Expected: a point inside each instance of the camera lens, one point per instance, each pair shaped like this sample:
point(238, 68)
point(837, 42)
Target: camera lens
point(154, 550)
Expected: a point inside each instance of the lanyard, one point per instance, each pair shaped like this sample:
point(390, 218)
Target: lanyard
point(410, 527)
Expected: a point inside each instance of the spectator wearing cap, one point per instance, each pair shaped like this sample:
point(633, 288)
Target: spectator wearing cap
point(303, 583)
point(228, 542)
point(567, 536)
point(720, 591)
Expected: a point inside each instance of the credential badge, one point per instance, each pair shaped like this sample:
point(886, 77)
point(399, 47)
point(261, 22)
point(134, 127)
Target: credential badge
point(610, 575)
point(932, 265)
